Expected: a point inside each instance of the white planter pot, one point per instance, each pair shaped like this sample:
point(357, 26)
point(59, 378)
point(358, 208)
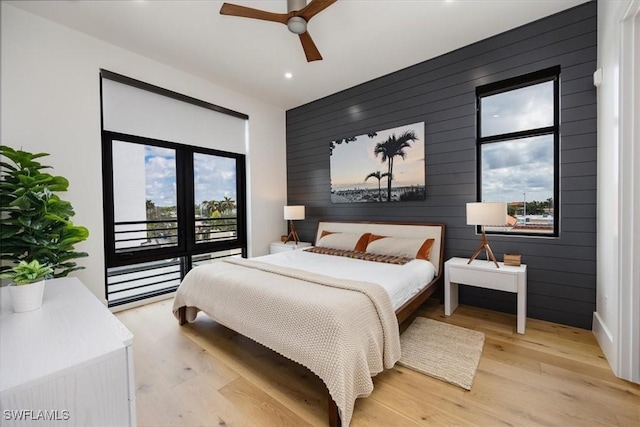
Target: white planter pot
point(26, 297)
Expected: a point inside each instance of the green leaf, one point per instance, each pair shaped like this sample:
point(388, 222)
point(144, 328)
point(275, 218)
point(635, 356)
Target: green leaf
point(8, 166)
point(72, 255)
point(25, 220)
point(58, 183)
point(26, 180)
point(27, 272)
point(34, 220)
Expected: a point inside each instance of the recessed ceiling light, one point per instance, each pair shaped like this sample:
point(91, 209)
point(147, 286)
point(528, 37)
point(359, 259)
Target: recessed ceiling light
point(288, 75)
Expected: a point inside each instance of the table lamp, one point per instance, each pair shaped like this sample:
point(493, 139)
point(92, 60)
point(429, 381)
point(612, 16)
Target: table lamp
point(486, 213)
point(293, 213)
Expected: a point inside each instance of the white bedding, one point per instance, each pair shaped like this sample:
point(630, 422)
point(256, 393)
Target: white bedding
point(400, 281)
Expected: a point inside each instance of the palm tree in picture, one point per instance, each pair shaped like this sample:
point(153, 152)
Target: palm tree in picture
point(377, 175)
point(391, 148)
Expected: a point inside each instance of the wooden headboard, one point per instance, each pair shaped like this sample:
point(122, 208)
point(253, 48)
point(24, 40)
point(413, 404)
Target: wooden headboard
point(393, 229)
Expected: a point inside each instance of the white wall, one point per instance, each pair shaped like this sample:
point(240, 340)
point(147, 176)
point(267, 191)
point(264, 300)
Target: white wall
point(618, 285)
point(50, 102)
point(131, 192)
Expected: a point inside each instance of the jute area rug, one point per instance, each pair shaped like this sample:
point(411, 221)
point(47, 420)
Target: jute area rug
point(446, 352)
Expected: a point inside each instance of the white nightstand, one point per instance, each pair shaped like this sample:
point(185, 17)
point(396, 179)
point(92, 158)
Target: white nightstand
point(277, 247)
point(484, 274)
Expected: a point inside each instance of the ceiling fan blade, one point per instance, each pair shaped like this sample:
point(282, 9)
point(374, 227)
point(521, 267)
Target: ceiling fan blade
point(248, 12)
point(313, 8)
point(310, 50)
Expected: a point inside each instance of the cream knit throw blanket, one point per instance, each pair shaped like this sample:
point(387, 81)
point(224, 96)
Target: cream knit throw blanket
point(343, 331)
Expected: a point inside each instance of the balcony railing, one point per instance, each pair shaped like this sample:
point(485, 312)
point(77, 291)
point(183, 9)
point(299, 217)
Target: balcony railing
point(160, 233)
point(138, 281)
point(216, 229)
point(148, 279)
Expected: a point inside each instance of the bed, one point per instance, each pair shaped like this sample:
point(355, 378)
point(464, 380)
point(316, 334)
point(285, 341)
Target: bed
point(334, 308)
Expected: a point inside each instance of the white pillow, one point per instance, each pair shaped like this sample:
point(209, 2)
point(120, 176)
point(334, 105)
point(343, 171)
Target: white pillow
point(399, 246)
point(344, 241)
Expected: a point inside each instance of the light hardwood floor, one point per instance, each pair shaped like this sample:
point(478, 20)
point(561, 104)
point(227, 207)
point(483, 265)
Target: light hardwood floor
point(204, 374)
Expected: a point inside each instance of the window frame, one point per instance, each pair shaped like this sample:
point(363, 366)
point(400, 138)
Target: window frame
point(185, 200)
point(545, 75)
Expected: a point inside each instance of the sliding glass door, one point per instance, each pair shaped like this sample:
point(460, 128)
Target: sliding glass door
point(168, 207)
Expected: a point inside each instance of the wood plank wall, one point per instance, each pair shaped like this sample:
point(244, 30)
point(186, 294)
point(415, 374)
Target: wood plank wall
point(441, 92)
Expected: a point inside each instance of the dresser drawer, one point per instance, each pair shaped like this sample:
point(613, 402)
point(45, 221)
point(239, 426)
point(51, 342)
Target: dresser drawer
point(486, 278)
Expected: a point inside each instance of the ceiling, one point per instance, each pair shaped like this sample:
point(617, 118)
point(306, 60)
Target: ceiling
point(358, 39)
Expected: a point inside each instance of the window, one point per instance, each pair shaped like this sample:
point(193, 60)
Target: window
point(518, 150)
point(168, 207)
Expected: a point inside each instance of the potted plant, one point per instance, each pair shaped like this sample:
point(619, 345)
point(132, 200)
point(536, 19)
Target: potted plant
point(28, 284)
point(35, 223)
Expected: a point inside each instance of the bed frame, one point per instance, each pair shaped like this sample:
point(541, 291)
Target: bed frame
point(391, 229)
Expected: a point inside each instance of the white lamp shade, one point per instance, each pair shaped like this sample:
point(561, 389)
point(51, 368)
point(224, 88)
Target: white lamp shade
point(294, 212)
point(493, 213)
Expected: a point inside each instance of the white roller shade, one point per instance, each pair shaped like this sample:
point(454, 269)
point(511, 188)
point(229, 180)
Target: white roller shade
point(133, 111)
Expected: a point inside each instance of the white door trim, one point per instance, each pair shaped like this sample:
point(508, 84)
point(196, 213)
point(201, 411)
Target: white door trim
point(628, 339)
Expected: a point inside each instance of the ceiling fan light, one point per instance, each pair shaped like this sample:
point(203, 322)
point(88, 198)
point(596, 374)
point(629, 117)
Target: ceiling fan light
point(297, 25)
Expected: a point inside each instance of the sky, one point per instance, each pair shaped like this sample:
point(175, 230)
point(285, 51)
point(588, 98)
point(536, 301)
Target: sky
point(160, 175)
point(352, 162)
point(511, 169)
point(215, 177)
point(520, 109)
point(524, 168)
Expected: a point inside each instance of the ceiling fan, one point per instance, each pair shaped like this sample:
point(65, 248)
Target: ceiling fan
point(299, 14)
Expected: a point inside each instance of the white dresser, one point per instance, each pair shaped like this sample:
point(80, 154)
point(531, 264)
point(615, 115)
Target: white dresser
point(277, 247)
point(68, 363)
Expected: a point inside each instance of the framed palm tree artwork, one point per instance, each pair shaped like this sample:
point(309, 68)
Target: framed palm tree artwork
point(382, 166)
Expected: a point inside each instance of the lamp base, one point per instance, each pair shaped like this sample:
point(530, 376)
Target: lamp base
point(484, 245)
point(293, 234)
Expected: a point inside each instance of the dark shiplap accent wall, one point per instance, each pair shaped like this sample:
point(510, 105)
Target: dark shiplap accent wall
point(441, 92)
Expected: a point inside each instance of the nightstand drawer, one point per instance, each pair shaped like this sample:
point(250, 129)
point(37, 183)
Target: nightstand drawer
point(485, 278)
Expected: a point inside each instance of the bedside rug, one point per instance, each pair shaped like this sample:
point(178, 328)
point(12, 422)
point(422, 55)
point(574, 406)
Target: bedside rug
point(446, 352)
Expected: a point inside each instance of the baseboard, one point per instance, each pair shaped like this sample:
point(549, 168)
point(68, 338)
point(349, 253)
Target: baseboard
point(138, 303)
point(605, 340)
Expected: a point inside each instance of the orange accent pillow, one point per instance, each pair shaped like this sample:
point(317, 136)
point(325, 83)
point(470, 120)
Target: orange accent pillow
point(361, 246)
point(425, 250)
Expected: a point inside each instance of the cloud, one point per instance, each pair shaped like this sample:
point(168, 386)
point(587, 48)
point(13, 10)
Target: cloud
point(152, 151)
point(530, 107)
point(512, 168)
point(160, 177)
point(214, 177)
